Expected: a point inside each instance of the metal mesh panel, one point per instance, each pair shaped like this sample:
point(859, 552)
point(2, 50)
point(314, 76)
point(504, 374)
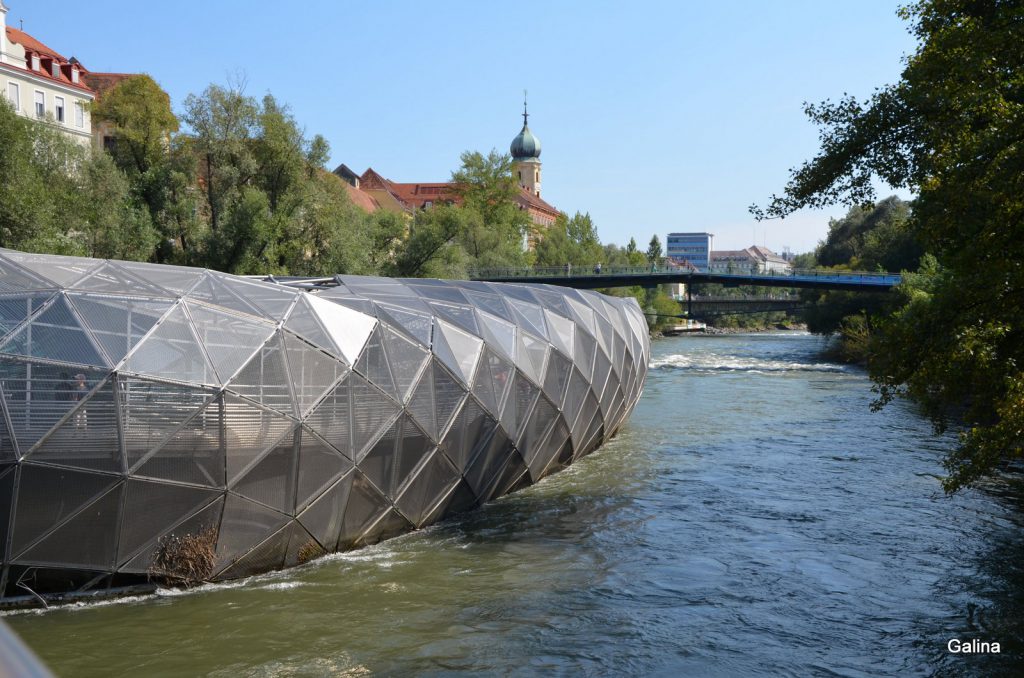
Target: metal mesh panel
point(36, 512)
point(352, 415)
point(348, 329)
point(458, 350)
point(391, 524)
point(470, 431)
point(250, 431)
point(574, 396)
point(592, 436)
point(151, 411)
point(365, 506)
point(499, 334)
point(561, 331)
point(529, 316)
point(244, 525)
point(271, 480)
point(559, 368)
point(373, 364)
point(324, 516)
point(268, 555)
point(610, 390)
point(393, 457)
point(172, 352)
point(302, 547)
point(313, 372)
point(460, 316)
point(434, 479)
point(582, 314)
point(532, 356)
point(14, 278)
point(421, 405)
point(415, 325)
point(38, 396)
point(586, 349)
point(319, 466)
point(88, 437)
point(514, 291)
point(602, 368)
point(582, 423)
point(88, 540)
point(493, 381)
point(304, 322)
point(211, 290)
point(484, 469)
point(556, 449)
point(204, 521)
point(265, 379)
point(536, 428)
point(518, 405)
point(7, 484)
point(109, 277)
point(64, 271)
point(176, 279)
point(551, 298)
point(405, 359)
point(194, 453)
point(441, 292)
point(118, 323)
point(229, 340)
point(491, 303)
point(448, 395)
point(272, 301)
point(153, 509)
point(55, 334)
point(16, 308)
point(459, 500)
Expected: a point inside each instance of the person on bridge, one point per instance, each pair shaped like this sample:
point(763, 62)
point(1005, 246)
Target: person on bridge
point(597, 268)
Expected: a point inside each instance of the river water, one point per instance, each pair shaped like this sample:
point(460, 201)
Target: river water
point(753, 518)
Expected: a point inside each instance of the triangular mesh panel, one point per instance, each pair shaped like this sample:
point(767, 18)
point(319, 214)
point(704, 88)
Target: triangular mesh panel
point(348, 329)
point(324, 516)
point(536, 429)
point(491, 303)
point(8, 453)
point(176, 279)
point(55, 334)
point(586, 349)
point(373, 364)
point(517, 291)
point(251, 431)
point(460, 316)
point(194, 453)
point(436, 290)
point(415, 325)
point(582, 423)
point(273, 301)
point(88, 540)
point(583, 315)
point(434, 479)
point(448, 395)
point(529, 316)
point(265, 378)
point(532, 356)
point(271, 480)
point(118, 323)
point(365, 506)
point(319, 466)
point(499, 334)
point(561, 331)
point(16, 308)
point(7, 479)
point(405, 358)
point(393, 457)
point(483, 471)
point(575, 394)
point(602, 368)
point(553, 300)
point(244, 525)
point(266, 556)
point(421, 405)
point(36, 512)
point(470, 431)
point(389, 525)
point(89, 438)
point(212, 290)
point(457, 349)
point(312, 371)
point(518, 405)
point(559, 368)
point(302, 547)
point(14, 278)
point(202, 526)
point(151, 411)
point(153, 509)
point(171, 351)
point(112, 278)
point(304, 322)
point(37, 396)
point(64, 271)
point(352, 415)
point(230, 340)
point(556, 450)
point(493, 381)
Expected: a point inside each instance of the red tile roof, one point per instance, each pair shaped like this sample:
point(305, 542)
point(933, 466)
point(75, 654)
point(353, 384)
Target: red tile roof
point(33, 46)
point(361, 199)
point(104, 82)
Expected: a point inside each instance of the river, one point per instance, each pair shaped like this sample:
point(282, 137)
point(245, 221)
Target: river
point(754, 517)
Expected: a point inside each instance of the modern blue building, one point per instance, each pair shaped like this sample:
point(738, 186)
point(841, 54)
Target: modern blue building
point(693, 248)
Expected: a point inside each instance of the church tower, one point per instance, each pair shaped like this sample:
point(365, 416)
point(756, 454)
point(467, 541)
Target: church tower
point(526, 158)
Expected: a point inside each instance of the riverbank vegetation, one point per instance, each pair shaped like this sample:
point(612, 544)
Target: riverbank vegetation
point(950, 131)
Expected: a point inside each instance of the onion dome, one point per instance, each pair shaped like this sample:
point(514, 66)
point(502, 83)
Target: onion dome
point(525, 146)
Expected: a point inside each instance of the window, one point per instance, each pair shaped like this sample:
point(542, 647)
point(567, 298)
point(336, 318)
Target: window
point(14, 94)
point(40, 104)
point(35, 62)
point(55, 70)
point(74, 75)
point(58, 108)
point(79, 114)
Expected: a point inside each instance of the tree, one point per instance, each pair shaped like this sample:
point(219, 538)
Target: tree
point(950, 131)
point(494, 227)
point(140, 114)
point(654, 250)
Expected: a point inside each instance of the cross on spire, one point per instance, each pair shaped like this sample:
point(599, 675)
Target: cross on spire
point(525, 114)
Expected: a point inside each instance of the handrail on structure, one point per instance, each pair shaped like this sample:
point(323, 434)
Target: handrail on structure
point(887, 279)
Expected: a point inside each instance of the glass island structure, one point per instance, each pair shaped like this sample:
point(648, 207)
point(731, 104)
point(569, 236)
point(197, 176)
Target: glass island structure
point(180, 425)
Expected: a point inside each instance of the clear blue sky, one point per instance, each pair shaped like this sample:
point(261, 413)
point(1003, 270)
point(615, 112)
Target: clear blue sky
point(653, 116)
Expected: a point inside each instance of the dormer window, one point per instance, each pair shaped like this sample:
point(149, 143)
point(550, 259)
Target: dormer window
point(74, 75)
point(35, 62)
point(55, 70)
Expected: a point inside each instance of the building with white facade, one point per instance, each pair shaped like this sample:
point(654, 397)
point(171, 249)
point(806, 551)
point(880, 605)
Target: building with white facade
point(751, 260)
point(690, 248)
point(42, 84)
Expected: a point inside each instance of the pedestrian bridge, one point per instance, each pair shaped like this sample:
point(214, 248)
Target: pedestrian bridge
point(647, 276)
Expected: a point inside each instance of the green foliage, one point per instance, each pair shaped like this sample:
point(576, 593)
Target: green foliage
point(142, 121)
point(570, 241)
point(949, 130)
point(654, 250)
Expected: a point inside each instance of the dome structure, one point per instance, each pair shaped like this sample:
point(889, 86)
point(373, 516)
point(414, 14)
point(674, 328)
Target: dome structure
point(525, 146)
point(169, 424)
